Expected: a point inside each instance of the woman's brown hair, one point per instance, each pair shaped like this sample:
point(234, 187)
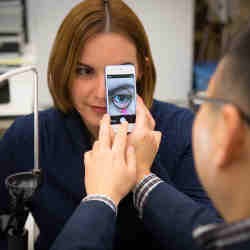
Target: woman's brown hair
point(85, 20)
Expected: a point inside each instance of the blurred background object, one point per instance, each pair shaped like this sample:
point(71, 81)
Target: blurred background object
point(216, 23)
point(15, 94)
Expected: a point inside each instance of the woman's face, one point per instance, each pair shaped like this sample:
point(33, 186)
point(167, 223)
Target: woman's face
point(88, 89)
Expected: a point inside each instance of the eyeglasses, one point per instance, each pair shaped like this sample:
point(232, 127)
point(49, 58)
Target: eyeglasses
point(196, 99)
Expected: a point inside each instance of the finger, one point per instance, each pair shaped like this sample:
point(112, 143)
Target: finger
point(148, 114)
point(140, 114)
point(87, 156)
point(96, 146)
point(104, 132)
point(138, 98)
point(142, 104)
point(112, 135)
point(120, 140)
point(157, 136)
point(143, 116)
point(131, 159)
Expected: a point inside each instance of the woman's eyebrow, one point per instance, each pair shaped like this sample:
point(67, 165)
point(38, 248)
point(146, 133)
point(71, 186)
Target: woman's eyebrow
point(84, 65)
point(127, 63)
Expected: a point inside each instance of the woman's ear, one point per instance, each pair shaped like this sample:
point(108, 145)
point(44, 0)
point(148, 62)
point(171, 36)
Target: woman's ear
point(231, 134)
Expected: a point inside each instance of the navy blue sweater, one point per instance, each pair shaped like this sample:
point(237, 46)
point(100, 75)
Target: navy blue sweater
point(171, 211)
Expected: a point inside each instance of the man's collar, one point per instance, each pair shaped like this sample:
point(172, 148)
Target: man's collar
point(220, 236)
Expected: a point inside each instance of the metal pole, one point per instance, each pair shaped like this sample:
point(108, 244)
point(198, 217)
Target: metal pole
point(22, 70)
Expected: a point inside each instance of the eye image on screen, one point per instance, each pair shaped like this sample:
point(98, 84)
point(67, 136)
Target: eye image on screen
point(121, 96)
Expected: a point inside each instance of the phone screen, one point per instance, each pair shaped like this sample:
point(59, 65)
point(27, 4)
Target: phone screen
point(121, 97)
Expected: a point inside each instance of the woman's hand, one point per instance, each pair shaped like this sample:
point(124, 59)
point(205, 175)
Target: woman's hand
point(145, 140)
point(110, 168)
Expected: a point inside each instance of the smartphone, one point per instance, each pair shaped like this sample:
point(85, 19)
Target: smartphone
point(120, 81)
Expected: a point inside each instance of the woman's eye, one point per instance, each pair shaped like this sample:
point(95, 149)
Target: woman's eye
point(121, 101)
point(81, 71)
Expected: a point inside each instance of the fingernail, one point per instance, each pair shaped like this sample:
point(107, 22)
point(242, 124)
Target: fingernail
point(123, 119)
point(105, 117)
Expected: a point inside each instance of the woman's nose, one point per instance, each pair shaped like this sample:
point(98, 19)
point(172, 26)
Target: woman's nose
point(101, 89)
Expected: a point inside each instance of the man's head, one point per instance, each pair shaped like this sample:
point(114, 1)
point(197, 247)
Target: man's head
point(221, 133)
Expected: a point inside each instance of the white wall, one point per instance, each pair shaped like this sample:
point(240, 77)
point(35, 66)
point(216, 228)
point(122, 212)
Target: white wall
point(45, 18)
point(169, 24)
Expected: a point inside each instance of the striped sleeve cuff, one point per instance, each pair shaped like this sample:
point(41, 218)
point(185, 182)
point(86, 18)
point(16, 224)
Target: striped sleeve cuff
point(103, 198)
point(143, 189)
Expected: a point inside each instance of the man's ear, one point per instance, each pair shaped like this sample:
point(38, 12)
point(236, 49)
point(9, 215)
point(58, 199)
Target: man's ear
point(231, 132)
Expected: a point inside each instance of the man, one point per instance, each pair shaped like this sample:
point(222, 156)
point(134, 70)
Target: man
point(221, 143)
point(166, 213)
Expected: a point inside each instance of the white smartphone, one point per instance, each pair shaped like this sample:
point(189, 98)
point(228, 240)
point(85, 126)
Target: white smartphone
point(120, 81)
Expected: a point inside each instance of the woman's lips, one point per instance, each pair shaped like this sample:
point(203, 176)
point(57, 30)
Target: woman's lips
point(99, 109)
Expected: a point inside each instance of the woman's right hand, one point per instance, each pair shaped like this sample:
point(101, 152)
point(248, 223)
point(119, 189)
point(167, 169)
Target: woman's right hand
point(145, 140)
point(110, 167)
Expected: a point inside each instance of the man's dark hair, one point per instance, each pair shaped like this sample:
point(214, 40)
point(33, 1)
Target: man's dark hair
point(234, 78)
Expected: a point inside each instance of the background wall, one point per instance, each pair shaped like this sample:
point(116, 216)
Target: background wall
point(168, 23)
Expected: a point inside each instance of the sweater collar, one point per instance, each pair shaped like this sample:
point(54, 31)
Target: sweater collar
point(220, 236)
point(78, 131)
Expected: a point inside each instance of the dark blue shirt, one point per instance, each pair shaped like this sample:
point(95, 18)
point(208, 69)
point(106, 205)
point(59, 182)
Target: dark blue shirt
point(172, 211)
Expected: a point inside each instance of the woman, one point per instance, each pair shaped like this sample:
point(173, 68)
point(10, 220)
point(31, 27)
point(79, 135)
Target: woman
point(92, 36)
